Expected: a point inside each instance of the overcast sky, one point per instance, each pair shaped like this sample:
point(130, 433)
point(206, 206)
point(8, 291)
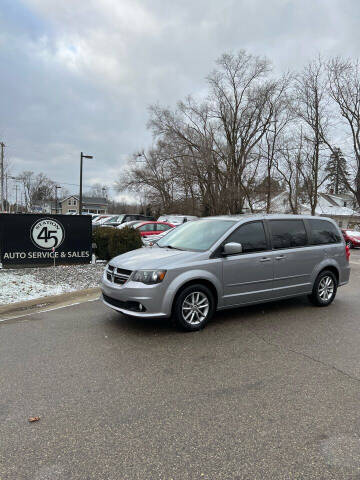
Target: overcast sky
point(80, 74)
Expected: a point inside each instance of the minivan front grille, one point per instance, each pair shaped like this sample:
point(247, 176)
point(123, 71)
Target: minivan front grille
point(117, 275)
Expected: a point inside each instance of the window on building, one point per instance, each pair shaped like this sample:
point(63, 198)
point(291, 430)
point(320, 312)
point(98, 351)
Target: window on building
point(251, 236)
point(288, 233)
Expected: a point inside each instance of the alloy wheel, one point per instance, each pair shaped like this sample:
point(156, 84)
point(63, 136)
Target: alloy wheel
point(326, 288)
point(195, 308)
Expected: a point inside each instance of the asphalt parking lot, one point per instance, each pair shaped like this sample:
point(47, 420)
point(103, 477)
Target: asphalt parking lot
point(265, 392)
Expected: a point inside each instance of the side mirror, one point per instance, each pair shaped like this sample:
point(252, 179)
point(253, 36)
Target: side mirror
point(232, 248)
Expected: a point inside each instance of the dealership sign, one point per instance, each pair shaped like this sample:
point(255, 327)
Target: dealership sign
point(41, 239)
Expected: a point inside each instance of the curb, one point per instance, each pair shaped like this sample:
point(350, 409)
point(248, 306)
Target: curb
point(50, 301)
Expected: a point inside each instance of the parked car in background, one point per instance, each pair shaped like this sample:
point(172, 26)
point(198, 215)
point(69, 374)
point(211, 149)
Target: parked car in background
point(117, 220)
point(151, 241)
point(352, 238)
point(217, 263)
point(113, 221)
point(100, 220)
point(128, 224)
point(148, 229)
point(177, 219)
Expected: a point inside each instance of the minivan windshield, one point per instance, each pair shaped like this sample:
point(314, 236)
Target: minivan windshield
point(197, 236)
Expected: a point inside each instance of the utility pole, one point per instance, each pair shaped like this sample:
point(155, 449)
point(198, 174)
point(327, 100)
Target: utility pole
point(7, 203)
point(56, 198)
point(81, 175)
point(2, 176)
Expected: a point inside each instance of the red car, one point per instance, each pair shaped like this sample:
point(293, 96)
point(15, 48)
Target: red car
point(352, 238)
point(152, 228)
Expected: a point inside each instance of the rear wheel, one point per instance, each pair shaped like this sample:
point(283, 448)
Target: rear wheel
point(193, 308)
point(324, 290)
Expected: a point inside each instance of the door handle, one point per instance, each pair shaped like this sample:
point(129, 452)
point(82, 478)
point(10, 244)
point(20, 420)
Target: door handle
point(265, 259)
point(280, 257)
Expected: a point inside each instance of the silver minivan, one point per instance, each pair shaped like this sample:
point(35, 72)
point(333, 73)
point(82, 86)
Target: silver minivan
point(217, 263)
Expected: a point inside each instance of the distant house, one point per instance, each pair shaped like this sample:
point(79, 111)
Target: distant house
point(90, 205)
point(341, 208)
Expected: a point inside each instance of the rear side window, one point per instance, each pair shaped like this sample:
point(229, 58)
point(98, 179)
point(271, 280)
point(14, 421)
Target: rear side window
point(161, 227)
point(288, 233)
point(251, 236)
point(148, 227)
point(323, 232)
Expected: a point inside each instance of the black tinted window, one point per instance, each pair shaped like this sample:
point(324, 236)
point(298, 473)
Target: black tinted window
point(251, 236)
point(323, 232)
point(288, 233)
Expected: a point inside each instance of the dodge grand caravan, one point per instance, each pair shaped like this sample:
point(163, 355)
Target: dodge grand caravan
point(224, 262)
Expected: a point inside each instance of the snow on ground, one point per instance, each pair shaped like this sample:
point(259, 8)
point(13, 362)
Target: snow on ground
point(17, 285)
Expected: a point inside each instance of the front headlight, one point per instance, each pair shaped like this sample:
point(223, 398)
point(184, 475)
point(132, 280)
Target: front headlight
point(149, 277)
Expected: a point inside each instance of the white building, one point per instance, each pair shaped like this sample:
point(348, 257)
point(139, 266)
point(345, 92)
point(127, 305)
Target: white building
point(340, 208)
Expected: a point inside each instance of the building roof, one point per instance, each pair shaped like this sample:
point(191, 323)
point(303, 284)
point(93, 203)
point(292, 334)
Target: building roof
point(328, 204)
point(88, 200)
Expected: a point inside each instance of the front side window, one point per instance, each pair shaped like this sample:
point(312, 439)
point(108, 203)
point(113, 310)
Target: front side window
point(196, 236)
point(251, 236)
point(323, 232)
point(288, 233)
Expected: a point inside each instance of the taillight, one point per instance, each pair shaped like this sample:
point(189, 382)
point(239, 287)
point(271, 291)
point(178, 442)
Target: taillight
point(347, 251)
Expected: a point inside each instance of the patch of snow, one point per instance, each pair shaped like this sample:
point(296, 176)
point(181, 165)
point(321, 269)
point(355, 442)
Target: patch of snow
point(17, 285)
point(16, 288)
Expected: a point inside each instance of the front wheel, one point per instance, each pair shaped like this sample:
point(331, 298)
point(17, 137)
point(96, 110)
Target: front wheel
point(324, 290)
point(194, 307)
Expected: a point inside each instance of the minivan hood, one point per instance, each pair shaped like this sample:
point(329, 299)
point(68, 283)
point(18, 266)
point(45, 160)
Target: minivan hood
point(154, 258)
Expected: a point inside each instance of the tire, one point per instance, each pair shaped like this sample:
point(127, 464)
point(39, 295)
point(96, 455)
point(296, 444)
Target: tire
point(324, 290)
point(349, 244)
point(193, 308)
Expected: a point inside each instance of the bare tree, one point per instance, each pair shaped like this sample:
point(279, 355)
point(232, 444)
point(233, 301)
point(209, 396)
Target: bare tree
point(243, 99)
point(289, 164)
point(344, 88)
point(211, 148)
point(36, 188)
point(97, 190)
point(150, 176)
point(312, 110)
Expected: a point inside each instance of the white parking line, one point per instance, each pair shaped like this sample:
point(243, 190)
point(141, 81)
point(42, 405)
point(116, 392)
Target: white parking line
point(48, 310)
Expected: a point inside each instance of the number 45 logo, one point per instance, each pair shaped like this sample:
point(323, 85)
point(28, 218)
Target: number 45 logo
point(47, 234)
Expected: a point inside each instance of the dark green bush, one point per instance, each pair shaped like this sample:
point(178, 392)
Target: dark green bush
point(111, 242)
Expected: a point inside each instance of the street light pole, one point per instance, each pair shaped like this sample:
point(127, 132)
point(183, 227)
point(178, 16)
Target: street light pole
point(81, 175)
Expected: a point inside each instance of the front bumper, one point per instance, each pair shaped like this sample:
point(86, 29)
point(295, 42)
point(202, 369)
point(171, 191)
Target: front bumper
point(151, 297)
